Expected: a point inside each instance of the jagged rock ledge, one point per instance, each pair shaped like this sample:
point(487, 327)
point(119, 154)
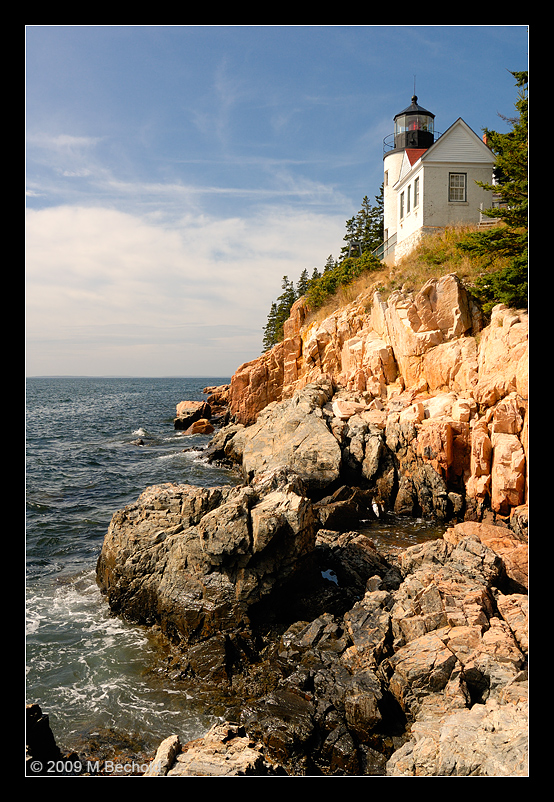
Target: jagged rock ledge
point(410, 664)
point(425, 356)
point(332, 678)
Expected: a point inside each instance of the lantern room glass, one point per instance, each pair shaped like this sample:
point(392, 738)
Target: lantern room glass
point(414, 122)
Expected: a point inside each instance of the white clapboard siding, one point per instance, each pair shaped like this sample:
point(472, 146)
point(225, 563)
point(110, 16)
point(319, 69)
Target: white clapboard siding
point(459, 144)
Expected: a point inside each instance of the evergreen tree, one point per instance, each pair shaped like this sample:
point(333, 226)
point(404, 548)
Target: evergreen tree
point(365, 228)
point(350, 237)
point(372, 230)
point(278, 313)
point(284, 303)
point(511, 167)
point(330, 264)
point(302, 284)
point(270, 329)
point(508, 239)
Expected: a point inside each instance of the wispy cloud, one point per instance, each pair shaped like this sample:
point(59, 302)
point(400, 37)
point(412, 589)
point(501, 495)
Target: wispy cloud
point(62, 142)
point(199, 291)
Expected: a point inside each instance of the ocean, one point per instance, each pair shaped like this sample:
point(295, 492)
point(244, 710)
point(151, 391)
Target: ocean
point(91, 673)
point(94, 675)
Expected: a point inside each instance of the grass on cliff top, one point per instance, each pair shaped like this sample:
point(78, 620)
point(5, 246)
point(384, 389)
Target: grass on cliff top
point(436, 255)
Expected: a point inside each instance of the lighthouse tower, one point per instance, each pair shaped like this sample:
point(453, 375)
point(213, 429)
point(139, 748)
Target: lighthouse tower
point(414, 133)
point(432, 181)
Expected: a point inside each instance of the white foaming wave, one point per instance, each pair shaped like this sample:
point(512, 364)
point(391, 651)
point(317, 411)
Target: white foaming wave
point(193, 455)
point(78, 608)
point(33, 620)
point(140, 432)
point(169, 457)
point(87, 668)
point(124, 705)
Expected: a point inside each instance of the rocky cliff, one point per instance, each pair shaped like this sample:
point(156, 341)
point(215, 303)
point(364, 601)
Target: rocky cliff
point(458, 389)
point(327, 656)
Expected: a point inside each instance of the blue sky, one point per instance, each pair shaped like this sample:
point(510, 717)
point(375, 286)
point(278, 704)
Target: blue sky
point(175, 174)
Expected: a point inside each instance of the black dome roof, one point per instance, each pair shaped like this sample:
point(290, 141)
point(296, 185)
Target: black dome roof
point(414, 109)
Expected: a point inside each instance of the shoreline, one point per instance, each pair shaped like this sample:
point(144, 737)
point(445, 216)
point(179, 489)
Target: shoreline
point(320, 460)
point(289, 477)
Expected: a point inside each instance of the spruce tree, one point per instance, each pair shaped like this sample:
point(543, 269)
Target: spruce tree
point(284, 303)
point(270, 329)
point(509, 238)
point(330, 264)
point(351, 235)
point(315, 276)
point(302, 284)
point(372, 230)
point(365, 228)
point(511, 166)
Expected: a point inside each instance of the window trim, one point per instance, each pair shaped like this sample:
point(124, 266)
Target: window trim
point(452, 190)
point(416, 192)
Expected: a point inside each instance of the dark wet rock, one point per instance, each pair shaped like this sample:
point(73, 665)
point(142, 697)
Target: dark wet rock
point(334, 659)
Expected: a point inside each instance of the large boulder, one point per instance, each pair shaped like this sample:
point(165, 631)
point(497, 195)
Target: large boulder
point(194, 560)
point(510, 546)
point(503, 355)
point(294, 436)
point(189, 412)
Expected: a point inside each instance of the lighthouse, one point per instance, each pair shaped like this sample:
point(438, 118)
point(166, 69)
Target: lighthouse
point(414, 132)
point(431, 181)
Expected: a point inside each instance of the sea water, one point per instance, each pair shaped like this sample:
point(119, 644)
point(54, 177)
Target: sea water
point(94, 674)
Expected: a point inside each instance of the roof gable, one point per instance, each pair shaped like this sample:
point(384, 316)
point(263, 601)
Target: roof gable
point(413, 154)
point(459, 144)
point(409, 158)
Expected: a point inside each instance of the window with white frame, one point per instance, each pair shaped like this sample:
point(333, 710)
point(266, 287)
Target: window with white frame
point(416, 192)
point(408, 193)
point(401, 205)
point(457, 185)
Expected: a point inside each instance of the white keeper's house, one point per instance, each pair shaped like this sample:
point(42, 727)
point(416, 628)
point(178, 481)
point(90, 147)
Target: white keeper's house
point(429, 179)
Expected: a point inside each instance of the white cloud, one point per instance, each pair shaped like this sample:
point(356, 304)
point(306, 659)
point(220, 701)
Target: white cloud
point(60, 142)
point(108, 292)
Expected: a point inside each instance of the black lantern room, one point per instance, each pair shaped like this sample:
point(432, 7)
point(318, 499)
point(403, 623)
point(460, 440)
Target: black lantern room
point(414, 127)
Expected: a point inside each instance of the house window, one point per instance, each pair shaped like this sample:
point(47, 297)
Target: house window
point(401, 205)
point(416, 192)
point(457, 187)
point(408, 192)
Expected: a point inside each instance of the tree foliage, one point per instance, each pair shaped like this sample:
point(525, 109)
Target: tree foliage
point(341, 275)
point(509, 238)
point(279, 312)
point(365, 231)
point(365, 228)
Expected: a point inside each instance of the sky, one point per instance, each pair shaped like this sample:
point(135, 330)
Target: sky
point(176, 174)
